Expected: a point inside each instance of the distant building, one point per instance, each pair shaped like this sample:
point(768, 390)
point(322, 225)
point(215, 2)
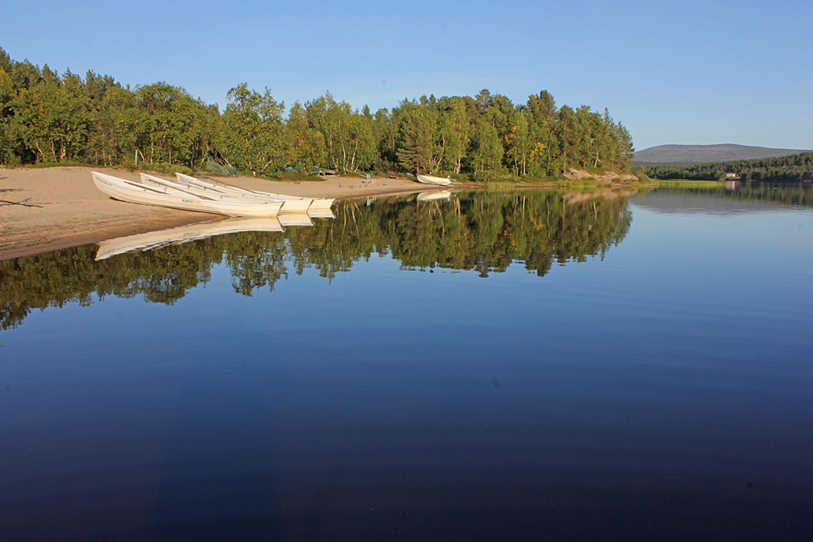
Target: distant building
point(732, 176)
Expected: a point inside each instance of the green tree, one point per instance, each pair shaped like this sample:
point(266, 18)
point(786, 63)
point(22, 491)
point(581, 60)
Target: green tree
point(486, 149)
point(349, 137)
point(568, 135)
point(7, 95)
point(115, 128)
point(457, 129)
point(543, 115)
point(519, 144)
point(52, 117)
point(420, 147)
point(306, 145)
point(253, 131)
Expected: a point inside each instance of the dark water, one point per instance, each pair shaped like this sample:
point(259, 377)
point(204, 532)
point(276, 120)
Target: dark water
point(491, 367)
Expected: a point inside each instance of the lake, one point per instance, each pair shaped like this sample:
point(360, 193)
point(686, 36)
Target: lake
point(491, 366)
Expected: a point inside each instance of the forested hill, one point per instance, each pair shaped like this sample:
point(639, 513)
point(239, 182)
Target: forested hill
point(46, 117)
point(705, 154)
point(794, 168)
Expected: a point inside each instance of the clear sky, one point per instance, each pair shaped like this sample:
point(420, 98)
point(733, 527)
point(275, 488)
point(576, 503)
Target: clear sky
point(683, 72)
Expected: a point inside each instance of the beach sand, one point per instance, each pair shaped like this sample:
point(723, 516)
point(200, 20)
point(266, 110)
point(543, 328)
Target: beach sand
point(50, 208)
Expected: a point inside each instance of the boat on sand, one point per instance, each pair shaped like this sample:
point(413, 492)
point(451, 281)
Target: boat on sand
point(431, 179)
point(291, 204)
point(177, 198)
point(294, 205)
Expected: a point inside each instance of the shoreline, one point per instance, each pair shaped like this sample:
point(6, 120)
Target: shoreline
point(60, 207)
point(45, 209)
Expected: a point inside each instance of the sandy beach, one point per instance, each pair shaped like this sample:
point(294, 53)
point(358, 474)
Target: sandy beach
point(51, 208)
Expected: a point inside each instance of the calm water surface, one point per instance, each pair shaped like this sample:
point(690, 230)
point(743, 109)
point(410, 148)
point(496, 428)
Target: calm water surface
point(489, 367)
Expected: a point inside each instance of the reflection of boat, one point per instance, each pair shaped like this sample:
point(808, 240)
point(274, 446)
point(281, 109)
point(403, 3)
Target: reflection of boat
point(438, 194)
point(295, 219)
point(290, 204)
point(321, 213)
point(165, 196)
point(431, 179)
point(183, 234)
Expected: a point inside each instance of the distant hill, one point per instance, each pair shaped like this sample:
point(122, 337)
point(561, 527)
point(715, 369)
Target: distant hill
point(705, 154)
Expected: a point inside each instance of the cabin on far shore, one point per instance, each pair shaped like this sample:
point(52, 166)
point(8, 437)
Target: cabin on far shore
point(732, 177)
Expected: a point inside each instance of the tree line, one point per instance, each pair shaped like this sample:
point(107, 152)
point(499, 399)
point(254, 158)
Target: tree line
point(792, 168)
point(483, 232)
point(46, 117)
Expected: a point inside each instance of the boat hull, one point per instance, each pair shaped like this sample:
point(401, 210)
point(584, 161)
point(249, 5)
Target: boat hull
point(132, 192)
point(431, 179)
point(213, 190)
point(290, 204)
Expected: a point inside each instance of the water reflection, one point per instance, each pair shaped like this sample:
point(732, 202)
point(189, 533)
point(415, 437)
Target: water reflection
point(480, 232)
point(750, 195)
point(185, 234)
point(660, 394)
point(434, 194)
point(726, 199)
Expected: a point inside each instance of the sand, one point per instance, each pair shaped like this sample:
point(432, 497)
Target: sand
point(51, 208)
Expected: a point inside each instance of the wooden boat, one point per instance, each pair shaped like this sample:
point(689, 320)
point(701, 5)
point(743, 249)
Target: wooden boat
point(164, 196)
point(290, 204)
point(183, 234)
point(431, 179)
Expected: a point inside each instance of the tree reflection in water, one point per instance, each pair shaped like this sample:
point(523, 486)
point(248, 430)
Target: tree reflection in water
point(484, 232)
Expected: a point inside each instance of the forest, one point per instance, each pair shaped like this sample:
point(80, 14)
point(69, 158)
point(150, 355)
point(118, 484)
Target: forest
point(792, 168)
point(48, 118)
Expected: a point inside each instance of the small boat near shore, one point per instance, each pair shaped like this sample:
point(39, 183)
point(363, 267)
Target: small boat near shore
point(431, 179)
point(177, 198)
point(290, 204)
point(185, 182)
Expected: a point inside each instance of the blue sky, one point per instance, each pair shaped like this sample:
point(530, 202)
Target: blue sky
point(684, 72)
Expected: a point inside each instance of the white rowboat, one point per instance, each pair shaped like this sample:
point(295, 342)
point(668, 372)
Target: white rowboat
point(165, 196)
point(190, 184)
point(291, 204)
point(431, 179)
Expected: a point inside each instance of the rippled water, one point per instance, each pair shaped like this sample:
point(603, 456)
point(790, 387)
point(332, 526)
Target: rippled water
point(488, 367)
